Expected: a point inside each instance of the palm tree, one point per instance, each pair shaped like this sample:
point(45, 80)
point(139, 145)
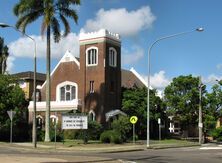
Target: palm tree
point(52, 11)
point(3, 56)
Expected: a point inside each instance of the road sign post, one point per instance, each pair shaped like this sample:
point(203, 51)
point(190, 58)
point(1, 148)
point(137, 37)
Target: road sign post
point(11, 115)
point(159, 123)
point(133, 120)
point(55, 128)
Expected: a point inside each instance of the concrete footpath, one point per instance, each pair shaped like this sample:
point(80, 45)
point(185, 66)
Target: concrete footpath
point(25, 153)
point(100, 147)
point(50, 152)
point(78, 147)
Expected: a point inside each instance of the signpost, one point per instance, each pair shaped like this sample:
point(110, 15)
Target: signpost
point(133, 120)
point(159, 122)
point(11, 115)
point(55, 125)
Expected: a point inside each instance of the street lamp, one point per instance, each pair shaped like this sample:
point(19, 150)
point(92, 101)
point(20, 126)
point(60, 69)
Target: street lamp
point(3, 25)
point(200, 123)
point(148, 86)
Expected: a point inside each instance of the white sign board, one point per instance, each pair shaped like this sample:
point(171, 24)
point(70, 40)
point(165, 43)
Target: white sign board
point(159, 121)
point(200, 125)
point(74, 122)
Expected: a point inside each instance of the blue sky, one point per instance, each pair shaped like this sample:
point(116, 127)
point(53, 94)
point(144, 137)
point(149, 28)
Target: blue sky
point(139, 22)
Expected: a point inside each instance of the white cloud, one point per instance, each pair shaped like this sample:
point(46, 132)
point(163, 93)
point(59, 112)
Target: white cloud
point(126, 23)
point(219, 66)
point(10, 63)
point(158, 80)
point(211, 79)
point(132, 56)
point(24, 47)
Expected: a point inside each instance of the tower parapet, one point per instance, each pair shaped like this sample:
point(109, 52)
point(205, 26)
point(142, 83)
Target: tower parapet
point(102, 33)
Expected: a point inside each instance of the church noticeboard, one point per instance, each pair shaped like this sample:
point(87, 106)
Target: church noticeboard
point(74, 122)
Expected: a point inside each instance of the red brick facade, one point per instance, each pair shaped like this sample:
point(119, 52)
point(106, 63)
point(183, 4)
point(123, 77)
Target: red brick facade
point(106, 79)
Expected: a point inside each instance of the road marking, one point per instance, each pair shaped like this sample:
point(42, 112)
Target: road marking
point(208, 148)
point(127, 161)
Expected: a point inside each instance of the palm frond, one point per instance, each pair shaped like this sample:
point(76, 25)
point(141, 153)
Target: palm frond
point(66, 25)
point(75, 2)
point(27, 19)
point(68, 2)
point(25, 7)
point(43, 27)
point(56, 29)
point(69, 13)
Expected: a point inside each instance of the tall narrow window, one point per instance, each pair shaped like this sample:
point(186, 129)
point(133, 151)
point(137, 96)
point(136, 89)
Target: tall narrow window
point(91, 87)
point(92, 56)
point(112, 86)
point(112, 57)
point(92, 115)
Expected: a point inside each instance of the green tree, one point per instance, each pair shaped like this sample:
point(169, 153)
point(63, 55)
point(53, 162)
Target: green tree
point(52, 11)
point(3, 56)
point(134, 103)
point(213, 108)
point(182, 99)
point(12, 98)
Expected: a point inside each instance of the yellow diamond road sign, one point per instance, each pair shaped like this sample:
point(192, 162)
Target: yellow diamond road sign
point(133, 119)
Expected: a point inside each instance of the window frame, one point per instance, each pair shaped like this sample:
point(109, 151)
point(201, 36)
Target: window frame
point(91, 112)
point(91, 86)
point(97, 55)
point(112, 57)
point(63, 84)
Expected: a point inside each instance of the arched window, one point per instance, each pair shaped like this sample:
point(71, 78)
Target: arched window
point(39, 121)
point(112, 57)
point(92, 56)
point(66, 91)
point(54, 119)
point(92, 115)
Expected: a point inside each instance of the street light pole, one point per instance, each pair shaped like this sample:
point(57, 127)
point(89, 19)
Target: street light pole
point(149, 67)
point(200, 124)
point(3, 25)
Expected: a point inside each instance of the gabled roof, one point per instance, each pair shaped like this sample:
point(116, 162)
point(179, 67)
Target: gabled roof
point(132, 79)
point(29, 75)
point(68, 57)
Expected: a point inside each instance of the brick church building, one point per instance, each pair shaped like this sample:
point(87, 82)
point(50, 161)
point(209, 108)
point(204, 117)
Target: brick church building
point(91, 83)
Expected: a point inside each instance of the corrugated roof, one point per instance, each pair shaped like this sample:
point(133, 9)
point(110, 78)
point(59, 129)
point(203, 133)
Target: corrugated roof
point(30, 75)
point(130, 80)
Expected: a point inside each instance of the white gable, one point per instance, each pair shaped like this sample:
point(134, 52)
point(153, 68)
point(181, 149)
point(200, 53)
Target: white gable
point(68, 57)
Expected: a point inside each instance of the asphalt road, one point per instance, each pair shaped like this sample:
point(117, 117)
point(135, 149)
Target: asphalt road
point(177, 155)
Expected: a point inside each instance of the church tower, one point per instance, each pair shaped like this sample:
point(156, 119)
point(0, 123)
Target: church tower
point(100, 73)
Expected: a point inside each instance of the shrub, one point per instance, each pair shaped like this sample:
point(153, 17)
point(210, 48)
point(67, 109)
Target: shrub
point(217, 134)
point(40, 135)
point(94, 130)
point(92, 133)
point(116, 138)
point(59, 135)
point(111, 136)
point(71, 134)
point(105, 136)
point(123, 126)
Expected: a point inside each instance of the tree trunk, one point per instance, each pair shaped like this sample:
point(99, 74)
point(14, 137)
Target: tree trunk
point(48, 88)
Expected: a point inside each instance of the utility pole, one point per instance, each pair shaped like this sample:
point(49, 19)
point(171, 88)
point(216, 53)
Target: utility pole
point(200, 125)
